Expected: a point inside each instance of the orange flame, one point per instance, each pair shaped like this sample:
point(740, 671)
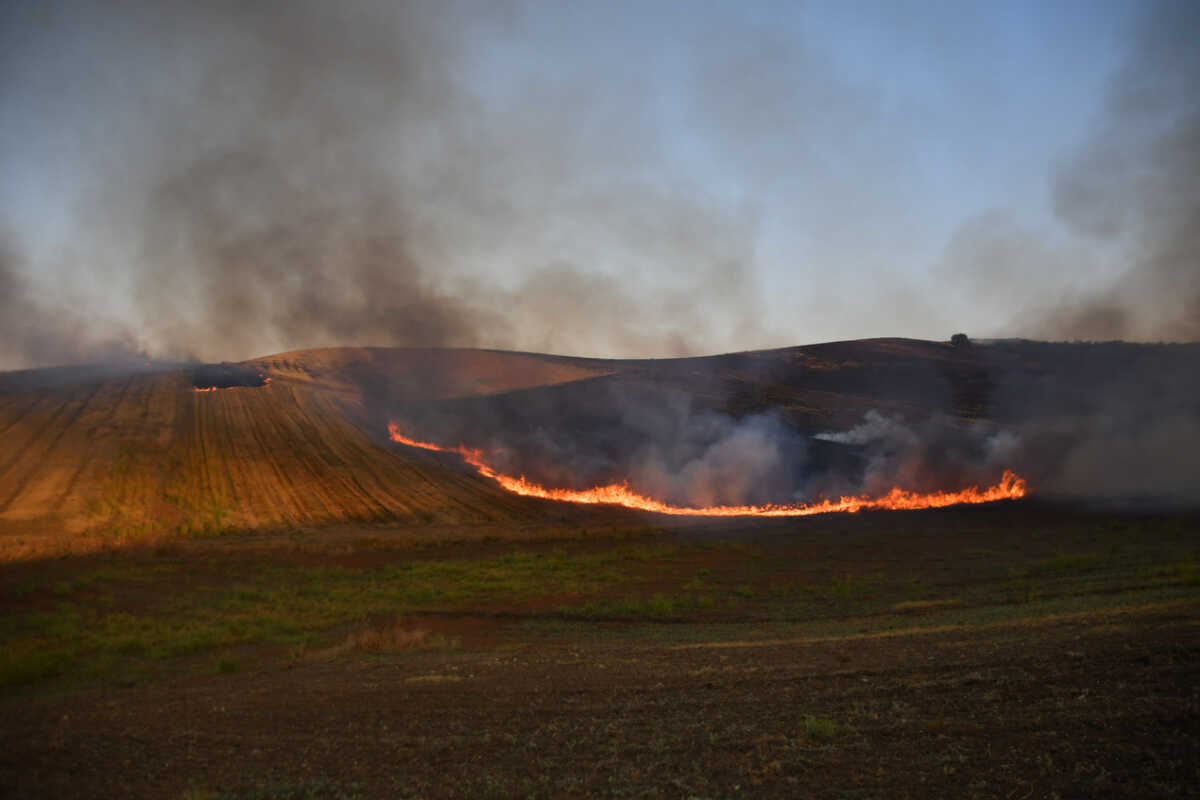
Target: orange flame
point(1010, 487)
point(265, 380)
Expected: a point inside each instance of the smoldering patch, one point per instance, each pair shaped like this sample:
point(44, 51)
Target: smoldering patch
point(210, 377)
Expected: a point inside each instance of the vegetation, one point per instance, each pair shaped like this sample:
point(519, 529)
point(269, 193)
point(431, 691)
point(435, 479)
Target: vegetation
point(570, 662)
point(127, 618)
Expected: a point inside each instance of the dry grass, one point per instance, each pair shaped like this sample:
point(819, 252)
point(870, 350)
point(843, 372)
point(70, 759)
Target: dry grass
point(138, 459)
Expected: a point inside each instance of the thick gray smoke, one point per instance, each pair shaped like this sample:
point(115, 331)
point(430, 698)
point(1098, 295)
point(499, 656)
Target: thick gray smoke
point(1126, 262)
point(1137, 182)
point(278, 175)
point(1095, 458)
point(937, 453)
point(1115, 423)
point(664, 440)
point(1123, 261)
point(39, 332)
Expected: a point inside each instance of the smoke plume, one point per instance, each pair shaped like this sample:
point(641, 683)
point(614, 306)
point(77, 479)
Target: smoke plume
point(1138, 182)
point(279, 175)
point(1124, 262)
point(38, 332)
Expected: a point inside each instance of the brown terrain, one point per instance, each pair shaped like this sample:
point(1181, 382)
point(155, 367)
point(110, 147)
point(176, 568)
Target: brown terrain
point(115, 458)
point(251, 592)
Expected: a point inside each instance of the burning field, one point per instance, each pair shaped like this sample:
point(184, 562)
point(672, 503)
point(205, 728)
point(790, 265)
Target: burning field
point(97, 456)
point(835, 570)
point(462, 565)
point(1010, 487)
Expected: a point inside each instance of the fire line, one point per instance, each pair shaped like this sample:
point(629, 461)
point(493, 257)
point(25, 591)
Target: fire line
point(265, 380)
point(1010, 487)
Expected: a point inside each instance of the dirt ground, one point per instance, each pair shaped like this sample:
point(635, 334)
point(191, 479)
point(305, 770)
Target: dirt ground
point(1077, 692)
point(1103, 705)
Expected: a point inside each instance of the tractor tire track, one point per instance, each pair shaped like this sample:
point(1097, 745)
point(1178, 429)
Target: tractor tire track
point(89, 453)
point(13, 421)
point(30, 474)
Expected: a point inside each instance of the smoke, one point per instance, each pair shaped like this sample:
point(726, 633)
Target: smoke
point(1138, 182)
point(1125, 261)
point(1102, 458)
point(33, 331)
point(279, 175)
point(717, 460)
point(667, 441)
point(1108, 422)
point(932, 454)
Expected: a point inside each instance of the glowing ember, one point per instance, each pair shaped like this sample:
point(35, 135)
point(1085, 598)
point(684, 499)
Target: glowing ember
point(265, 380)
point(1010, 487)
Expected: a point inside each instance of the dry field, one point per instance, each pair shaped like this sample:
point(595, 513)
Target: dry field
point(104, 461)
point(251, 593)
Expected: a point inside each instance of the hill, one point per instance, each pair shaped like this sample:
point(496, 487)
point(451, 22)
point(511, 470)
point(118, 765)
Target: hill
point(118, 451)
point(132, 450)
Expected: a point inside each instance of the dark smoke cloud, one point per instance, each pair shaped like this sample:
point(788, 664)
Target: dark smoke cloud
point(1136, 184)
point(273, 215)
point(278, 175)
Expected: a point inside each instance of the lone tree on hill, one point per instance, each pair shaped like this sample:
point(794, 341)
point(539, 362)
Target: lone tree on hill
point(959, 340)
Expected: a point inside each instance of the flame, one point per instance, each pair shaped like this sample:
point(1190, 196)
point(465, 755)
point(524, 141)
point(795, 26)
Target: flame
point(1010, 487)
point(265, 380)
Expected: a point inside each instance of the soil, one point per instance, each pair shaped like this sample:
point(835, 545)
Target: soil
point(1093, 705)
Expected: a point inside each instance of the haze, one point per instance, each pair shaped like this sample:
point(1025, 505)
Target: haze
point(224, 180)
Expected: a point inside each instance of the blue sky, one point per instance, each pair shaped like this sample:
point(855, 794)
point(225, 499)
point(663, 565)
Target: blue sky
point(614, 179)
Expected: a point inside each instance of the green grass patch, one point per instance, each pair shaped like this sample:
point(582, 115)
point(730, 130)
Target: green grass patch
point(115, 614)
point(128, 616)
point(820, 729)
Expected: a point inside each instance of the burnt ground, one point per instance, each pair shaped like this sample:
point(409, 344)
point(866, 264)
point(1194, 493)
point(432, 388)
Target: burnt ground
point(1007, 651)
point(226, 376)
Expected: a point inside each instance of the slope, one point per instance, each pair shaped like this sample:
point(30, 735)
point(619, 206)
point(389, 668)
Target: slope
point(125, 453)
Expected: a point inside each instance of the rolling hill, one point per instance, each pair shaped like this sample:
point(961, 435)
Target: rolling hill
point(122, 451)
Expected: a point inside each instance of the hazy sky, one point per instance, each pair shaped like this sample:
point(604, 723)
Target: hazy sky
point(225, 179)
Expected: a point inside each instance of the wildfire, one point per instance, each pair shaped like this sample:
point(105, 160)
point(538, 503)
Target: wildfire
point(265, 380)
point(1010, 487)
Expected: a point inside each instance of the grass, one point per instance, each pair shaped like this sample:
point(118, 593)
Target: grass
point(103, 617)
point(124, 618)
point(820, 729)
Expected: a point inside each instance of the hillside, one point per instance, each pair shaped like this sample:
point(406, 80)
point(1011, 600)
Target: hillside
point(123, 453)
point(113, 452)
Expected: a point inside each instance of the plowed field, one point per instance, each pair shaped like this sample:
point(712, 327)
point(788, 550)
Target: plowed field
point(107, 461)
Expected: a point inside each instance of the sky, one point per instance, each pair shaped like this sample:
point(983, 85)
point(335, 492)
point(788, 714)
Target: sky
point(221, 180)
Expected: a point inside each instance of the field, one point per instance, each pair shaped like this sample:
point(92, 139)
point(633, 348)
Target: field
point(1011, 650)
point(251, 592)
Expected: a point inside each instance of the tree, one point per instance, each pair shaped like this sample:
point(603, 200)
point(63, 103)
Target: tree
point(959, 340)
